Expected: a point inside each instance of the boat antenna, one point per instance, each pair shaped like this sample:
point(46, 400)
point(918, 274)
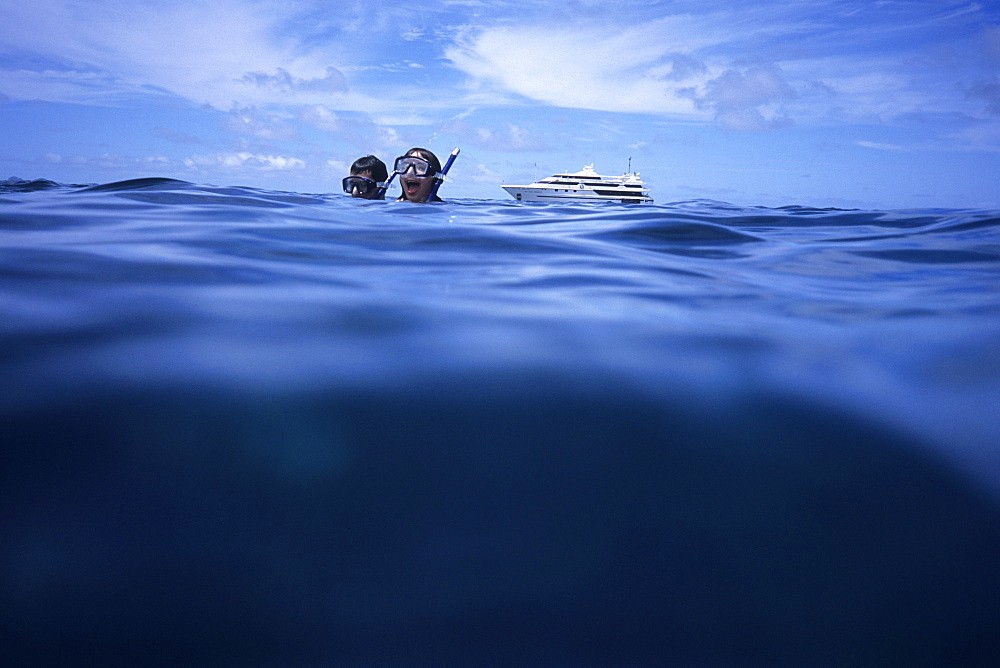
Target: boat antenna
point(444, 170)
point(630, 164)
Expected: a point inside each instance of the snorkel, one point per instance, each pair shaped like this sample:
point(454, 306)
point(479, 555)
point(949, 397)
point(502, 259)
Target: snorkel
point(444, 170)
point(388, 181)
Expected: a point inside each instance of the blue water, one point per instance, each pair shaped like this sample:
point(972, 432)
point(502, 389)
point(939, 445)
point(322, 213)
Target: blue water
point(243, 426)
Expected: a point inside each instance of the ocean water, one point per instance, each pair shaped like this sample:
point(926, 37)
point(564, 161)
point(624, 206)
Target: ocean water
point(249, 427)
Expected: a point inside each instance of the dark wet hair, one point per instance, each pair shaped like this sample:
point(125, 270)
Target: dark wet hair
point(426, 155)
point(370, 163)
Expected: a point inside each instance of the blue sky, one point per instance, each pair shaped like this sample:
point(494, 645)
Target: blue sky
point(885, 104)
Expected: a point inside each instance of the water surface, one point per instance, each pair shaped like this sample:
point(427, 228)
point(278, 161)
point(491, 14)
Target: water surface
point(255, 426)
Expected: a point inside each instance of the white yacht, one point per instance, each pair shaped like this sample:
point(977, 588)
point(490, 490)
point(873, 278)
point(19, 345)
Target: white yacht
point(584, 186)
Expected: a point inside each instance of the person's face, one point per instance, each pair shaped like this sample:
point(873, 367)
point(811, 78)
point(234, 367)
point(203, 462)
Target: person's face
point(372, 193)
point(416, 188)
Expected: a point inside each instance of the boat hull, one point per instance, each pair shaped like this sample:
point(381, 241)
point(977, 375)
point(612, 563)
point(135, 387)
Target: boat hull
point(563, 194)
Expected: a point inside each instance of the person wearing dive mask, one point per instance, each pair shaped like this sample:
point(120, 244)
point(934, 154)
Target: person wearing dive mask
point(368, 178)
point(419, 171)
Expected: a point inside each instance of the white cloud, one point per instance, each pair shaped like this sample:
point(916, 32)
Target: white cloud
point(696, 67)
point(388, 136)
point(245, 159)
point(256, 123)
point(109, 161)
point(67, 85)
point(338, 166)
point(332, 82)
point(876, 92)
point(354, 128)
point(508, 137)
point(748, 68)
point(881, 146)
point(321, 118)
point(632, 69)
point(652, 68)
point(744, 100)
point(745, 67)
point(217, 52)
point(752, 88)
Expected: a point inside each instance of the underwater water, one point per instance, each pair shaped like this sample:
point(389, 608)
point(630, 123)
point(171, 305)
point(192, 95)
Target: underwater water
point(253, 427)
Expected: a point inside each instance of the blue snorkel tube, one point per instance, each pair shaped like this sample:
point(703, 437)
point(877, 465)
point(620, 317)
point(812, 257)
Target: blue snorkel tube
point(388, 181)
point(444, 170)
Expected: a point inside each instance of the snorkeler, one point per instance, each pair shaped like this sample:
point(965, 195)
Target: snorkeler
point(368, 178)
point(419, 175)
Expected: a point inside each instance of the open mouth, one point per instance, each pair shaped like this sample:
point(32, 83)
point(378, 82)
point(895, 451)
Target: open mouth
point(411, 185)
